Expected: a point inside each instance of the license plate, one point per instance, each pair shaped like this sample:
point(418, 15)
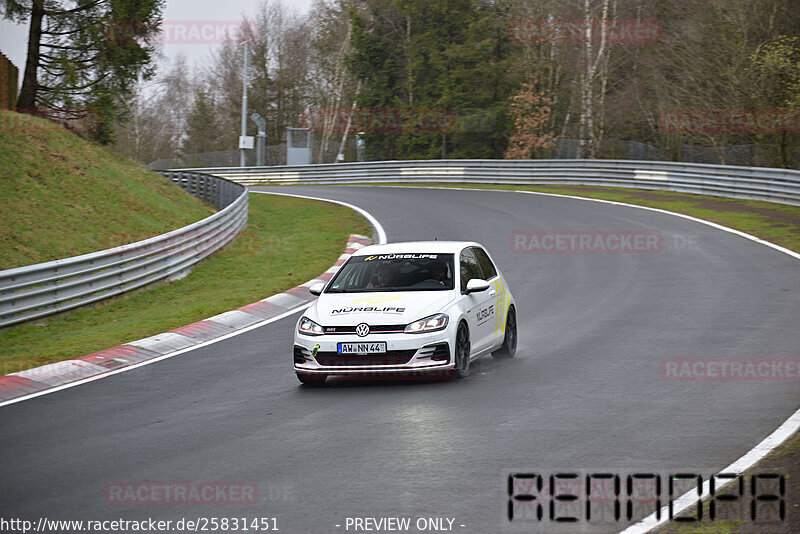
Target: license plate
point(361, 348)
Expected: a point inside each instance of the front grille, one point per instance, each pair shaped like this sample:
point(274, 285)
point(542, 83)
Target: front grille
point(391, 357)
point(381, 329)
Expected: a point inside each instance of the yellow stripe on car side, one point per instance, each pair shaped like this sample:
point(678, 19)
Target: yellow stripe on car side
point(498, 321)
point(503, 301)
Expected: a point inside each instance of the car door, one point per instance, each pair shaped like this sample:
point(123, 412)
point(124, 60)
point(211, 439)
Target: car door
point(498, 293)
point(480, 306)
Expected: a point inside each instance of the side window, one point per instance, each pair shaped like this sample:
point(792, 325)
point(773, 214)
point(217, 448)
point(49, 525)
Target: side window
point(487, 266)
point(470, 268)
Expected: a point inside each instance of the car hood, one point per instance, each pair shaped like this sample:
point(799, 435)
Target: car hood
point(393, 307)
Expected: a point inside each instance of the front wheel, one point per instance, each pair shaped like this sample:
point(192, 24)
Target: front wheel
point(311, 379)
point(462, 352)
point(509, 346)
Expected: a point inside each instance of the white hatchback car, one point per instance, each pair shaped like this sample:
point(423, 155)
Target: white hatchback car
point(417, 307)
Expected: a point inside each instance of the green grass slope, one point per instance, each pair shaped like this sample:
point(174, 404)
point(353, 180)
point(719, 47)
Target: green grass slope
point(61, 195)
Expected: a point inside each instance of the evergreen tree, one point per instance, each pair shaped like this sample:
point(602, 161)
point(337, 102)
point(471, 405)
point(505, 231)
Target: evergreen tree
point(443, 61)
point(203, 133)
point(85, 56)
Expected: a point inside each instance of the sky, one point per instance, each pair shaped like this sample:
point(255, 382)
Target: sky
point(191, 26)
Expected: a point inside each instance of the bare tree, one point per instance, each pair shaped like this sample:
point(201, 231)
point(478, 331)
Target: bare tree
point(157, 113)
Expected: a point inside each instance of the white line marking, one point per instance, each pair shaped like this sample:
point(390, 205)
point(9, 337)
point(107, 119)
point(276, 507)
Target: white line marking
point(766, 446)
point(741, 465)
point(158, 358)
point(381, 239)
point(378, 228)
point(751, 457)
point(681, 215)
point(612, 202)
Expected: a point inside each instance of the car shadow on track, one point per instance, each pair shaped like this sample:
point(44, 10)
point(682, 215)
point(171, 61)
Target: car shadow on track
point(478, 368)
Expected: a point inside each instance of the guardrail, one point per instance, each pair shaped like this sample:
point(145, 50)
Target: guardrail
point(42, 289)
point(759, 183)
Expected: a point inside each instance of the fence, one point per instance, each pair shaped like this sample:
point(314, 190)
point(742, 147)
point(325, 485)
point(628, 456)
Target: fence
point(760, 183)
point(42, 289)
point(763, 155)
point(273, 155)
point(9, 75)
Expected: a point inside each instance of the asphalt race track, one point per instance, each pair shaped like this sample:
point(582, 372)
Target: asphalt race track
point(585, 392)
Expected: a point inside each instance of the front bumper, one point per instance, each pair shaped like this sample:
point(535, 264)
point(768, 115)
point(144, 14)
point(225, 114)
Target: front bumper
point(415, 353)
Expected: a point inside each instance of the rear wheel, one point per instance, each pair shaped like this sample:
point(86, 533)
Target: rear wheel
point(311, 379)
point(509, 346)
point(462, 352)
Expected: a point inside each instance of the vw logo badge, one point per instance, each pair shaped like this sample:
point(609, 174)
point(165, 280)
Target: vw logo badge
point(362, 329)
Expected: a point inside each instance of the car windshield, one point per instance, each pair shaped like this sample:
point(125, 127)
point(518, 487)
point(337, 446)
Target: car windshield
point(394, 272)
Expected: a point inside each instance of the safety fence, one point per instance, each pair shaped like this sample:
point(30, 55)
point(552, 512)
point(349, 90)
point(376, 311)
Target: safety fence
point(760, 183)
point(35, 291)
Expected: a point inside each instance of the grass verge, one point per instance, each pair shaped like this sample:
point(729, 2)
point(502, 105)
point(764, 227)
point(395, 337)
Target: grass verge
point(785, 461)
point(64, 196)
point(777, 223)
point(287, 242)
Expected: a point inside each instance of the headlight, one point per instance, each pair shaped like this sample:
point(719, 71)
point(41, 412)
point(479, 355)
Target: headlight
point(428, 324)
point(309, 327)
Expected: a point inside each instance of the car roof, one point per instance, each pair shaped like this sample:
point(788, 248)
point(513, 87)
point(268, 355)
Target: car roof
point(422, 247)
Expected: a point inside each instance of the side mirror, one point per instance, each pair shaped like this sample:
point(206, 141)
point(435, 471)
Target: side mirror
point(476, 285)
point(316, 288)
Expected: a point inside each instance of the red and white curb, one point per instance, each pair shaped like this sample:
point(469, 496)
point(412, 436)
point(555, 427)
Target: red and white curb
point(59, 374)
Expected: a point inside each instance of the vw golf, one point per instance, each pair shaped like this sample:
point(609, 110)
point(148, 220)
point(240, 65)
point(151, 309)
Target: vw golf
point(421, 307)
